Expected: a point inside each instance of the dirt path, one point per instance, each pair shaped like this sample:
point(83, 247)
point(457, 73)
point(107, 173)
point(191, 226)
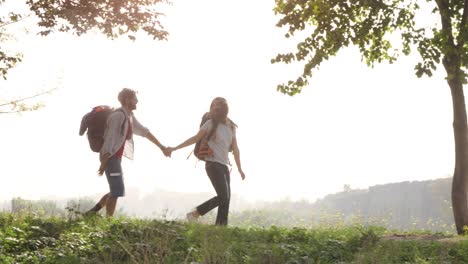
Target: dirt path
point(440, 238)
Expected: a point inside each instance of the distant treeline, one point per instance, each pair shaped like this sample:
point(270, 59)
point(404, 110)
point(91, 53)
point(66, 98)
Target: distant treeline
point(403, 206)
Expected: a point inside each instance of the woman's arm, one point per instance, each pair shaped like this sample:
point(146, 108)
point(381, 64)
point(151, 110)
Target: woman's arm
point(236, 152)
point(201, 133)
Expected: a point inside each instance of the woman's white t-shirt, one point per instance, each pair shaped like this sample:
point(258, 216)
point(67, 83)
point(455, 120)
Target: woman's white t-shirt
point(221, 141)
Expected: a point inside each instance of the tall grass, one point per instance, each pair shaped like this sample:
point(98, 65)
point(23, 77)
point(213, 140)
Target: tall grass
point(29, 238)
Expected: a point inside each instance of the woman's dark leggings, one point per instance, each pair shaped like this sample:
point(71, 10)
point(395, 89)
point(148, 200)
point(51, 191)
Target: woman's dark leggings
point(219, 177)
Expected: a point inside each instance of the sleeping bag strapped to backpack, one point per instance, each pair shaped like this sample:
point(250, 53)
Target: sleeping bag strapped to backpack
point(95, 123)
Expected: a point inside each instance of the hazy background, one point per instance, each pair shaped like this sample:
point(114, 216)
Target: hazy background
point(416, 205)
point(353, 125)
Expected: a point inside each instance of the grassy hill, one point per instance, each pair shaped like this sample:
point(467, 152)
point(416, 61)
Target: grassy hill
point(28, 238)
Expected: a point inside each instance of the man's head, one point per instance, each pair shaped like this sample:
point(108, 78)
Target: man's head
point(127, 98)
point(219, 109)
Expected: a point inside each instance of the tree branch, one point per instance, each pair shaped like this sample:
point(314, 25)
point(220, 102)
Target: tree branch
point(16, 21)
point(461, 38)
point(26, 98)
point(11, 112)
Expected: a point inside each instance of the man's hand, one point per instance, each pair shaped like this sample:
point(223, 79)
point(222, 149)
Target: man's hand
point(104, 158)
point(168, 151)
point(101, 170)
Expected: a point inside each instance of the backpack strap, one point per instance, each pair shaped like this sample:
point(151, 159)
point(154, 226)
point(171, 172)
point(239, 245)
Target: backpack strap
point(214, 126)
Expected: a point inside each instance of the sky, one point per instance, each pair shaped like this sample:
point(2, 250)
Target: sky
point(352, 125)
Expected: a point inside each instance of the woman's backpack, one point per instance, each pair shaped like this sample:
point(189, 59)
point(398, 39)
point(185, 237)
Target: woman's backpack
point(201, 149)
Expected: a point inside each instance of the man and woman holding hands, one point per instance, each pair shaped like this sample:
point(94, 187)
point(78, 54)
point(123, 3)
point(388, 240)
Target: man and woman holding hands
point(219, 131)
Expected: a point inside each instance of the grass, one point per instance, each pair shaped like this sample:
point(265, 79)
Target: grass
point(28, 238)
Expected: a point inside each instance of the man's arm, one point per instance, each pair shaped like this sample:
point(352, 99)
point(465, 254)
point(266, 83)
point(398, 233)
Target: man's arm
point(155, 141)
point(140, 130)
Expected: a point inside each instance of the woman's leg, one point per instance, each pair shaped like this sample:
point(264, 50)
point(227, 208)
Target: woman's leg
point(219, 177)
point(223, 207)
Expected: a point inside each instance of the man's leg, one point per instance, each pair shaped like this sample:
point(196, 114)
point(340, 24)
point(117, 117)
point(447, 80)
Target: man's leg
point(102, 203)
point(114, 177)
point(111, 204)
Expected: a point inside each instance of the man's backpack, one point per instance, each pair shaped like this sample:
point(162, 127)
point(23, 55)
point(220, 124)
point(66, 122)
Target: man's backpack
point(95, 123)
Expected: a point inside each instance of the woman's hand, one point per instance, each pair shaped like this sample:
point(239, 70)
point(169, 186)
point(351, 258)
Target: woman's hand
point(168, 151)
point(242, 174)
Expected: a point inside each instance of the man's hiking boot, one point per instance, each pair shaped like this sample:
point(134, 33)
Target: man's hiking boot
point(91, 213)
point(192, 217)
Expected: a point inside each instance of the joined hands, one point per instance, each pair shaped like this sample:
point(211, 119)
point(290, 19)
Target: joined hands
point(167, 151)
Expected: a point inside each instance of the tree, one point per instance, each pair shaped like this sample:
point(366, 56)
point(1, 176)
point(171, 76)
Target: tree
point(8, 60)
point(111, 18)
point(368, 24)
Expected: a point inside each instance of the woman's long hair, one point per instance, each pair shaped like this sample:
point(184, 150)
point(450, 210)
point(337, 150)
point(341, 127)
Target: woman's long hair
point(219, 114)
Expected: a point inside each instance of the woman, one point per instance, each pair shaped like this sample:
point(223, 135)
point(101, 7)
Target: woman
point(221, 136)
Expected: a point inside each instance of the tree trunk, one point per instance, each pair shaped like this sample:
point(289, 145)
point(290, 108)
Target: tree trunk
point(460, 129)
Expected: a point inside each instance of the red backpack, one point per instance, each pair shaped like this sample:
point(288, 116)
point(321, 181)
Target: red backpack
point(95, 122)
point(202, 150)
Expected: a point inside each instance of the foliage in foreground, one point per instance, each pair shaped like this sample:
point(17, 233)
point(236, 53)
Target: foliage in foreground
point(32, 239)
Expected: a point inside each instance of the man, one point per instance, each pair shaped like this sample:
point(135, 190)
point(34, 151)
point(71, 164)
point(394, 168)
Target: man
point(118, 142)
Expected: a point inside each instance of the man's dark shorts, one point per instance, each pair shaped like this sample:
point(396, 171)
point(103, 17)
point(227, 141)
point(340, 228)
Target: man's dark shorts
point(114, 176)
